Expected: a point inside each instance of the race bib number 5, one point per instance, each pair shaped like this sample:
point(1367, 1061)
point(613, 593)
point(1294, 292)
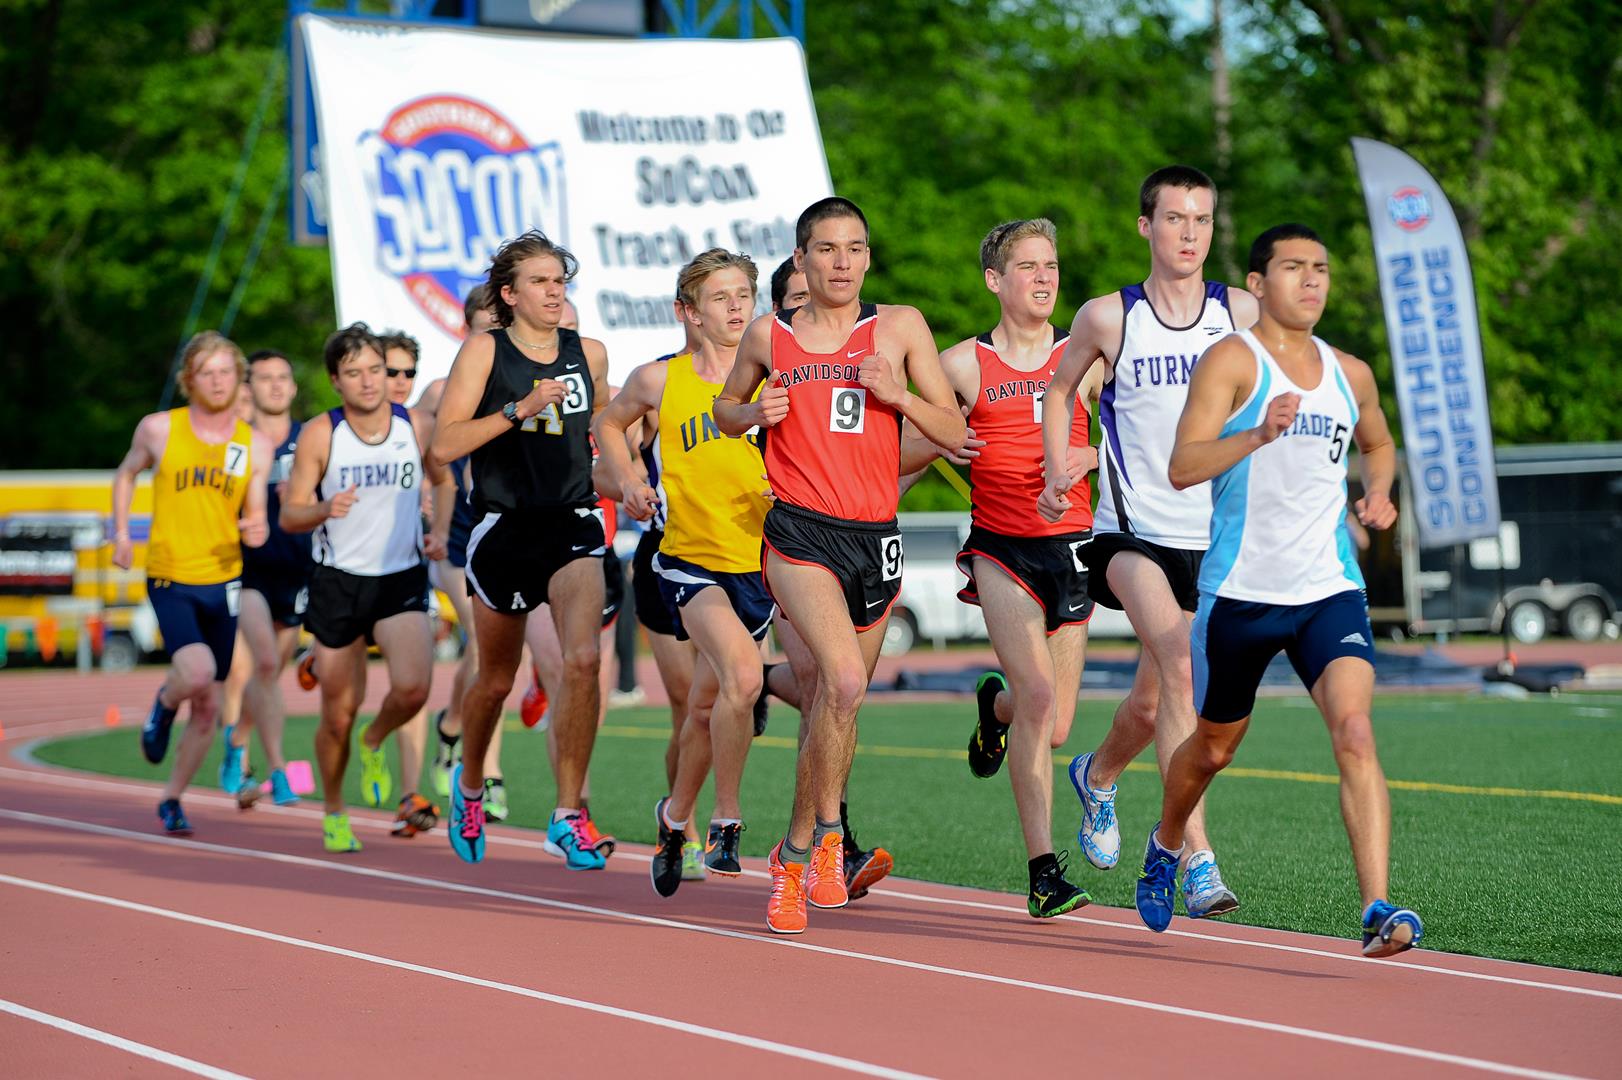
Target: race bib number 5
point(847, 411)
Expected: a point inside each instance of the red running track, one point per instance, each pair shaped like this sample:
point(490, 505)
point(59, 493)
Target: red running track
point(247, 951)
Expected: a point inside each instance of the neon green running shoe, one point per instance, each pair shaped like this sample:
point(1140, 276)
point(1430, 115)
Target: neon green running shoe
point(692, 861)
point(337, 836)
point(376, 785)
point(495, 799)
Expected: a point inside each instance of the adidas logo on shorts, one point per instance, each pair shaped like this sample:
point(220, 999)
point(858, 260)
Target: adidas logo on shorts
point(1355, 639)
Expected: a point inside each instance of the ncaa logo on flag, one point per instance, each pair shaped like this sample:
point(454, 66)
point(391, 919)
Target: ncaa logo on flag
point(449, 179)
point(1410, 209)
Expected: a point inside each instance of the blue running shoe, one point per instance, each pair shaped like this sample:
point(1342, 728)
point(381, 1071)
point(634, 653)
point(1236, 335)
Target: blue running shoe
point(1157, 885)
point(467, 821)
point(231, 765)
point(569, 837)
point(1389, 929)
point(281, 792)
point(173, 818)
point(155, 733)
point(1100, 833)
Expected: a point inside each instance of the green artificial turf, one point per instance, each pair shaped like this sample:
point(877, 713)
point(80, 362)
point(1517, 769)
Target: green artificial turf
point(1517, 876)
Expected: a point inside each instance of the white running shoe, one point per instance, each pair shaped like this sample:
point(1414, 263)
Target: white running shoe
point(1100, 834)
point(1203, 892)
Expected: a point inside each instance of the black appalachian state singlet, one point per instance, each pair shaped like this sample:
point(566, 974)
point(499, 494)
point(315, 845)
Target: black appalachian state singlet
point(545, 462)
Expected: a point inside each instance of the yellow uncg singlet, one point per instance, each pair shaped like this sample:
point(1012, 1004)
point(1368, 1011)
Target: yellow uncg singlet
point(197, 493)
point(713, 484)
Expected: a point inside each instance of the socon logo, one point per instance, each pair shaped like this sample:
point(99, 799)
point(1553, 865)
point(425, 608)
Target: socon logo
point(1409, 208)
point(449, 179)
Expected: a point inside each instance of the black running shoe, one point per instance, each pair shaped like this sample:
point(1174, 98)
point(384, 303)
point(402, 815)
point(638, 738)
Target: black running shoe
point(721, 850)
point(666, 865)
point(989, 743)
point(155, 733)
point(173, 818)
point(1052, 895)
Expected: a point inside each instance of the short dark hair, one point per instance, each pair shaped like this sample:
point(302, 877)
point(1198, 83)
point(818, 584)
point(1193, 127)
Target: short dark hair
point(1186, 177)
point(347, 342)
point(504, 267)
point(833, 206)
point(267, 354)
point(397, 339)
point(478, 299)
point(1261, 252)
point(780, 276)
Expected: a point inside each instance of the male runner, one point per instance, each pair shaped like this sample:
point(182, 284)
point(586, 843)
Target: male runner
point(520, 400)
point(1148, 538)
point(208, 501)
point(275, 581)
point(1268, 416)
point(448, 576)
point(357, 480)
point(708, 562)
point(839, 371)
point(1023, 572)
point(788, 286)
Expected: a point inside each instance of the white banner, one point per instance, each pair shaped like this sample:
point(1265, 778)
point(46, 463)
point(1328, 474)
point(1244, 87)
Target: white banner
point(1430, 319)
point(437, 145)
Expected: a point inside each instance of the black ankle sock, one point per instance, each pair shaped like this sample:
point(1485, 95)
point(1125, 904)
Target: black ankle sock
point(1040, 865)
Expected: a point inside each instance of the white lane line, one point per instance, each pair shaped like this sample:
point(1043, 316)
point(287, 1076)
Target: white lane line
point(499, 836)
point(762, 939)
point(815, 1056)
point(118, 1042)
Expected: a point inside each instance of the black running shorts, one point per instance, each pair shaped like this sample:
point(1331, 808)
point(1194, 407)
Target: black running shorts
point(651, 610)
point(511, 557)
point(344, 607)
point(864, 557)
point(1181, 567)
point(1047, 567)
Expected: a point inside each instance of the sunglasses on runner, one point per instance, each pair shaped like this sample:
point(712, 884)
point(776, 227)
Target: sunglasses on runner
point(408, 372)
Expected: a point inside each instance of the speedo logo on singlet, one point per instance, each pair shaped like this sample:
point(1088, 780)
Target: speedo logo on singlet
point(372, 476)
point(1174, 370)
point(819, 372)
point(449, 179)
point(700, 429)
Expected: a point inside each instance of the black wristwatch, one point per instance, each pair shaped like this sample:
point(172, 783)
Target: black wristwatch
point(510, 411)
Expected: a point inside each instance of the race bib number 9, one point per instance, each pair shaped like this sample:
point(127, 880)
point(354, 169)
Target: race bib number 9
point(847, 411)
point(890, 557)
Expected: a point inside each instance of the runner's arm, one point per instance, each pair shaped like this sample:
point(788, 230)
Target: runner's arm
point(456, 432)
point(597, 362)
point(1377, 454)
point(253, 526)
point(1097, 326)
point(616, 474)
point(301, 510)
point(1222, 379)
point(145, 447)
point(933, 409)
point(735, 413)
point(441, 487)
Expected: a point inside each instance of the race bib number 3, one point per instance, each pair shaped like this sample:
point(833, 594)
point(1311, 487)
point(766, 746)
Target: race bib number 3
point(847, 411)
point(890, 557)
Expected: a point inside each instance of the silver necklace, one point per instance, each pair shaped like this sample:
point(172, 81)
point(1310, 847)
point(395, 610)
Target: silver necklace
point(550, 345)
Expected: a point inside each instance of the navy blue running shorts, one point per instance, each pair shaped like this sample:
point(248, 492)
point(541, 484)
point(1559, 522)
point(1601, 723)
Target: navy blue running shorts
point(1233, 641)
point(286, 591)
point(197, 615)
point(680, 581)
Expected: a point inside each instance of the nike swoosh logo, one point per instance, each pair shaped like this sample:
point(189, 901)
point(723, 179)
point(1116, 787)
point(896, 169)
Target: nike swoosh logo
point(580, 547)
point(854, 355)
point(875, 604)
point(1078, 607)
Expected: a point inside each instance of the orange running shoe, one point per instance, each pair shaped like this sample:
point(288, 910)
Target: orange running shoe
point(307, 679)
point(785, 911)
point(825, 880)
point(865, 869)
point(597, 840)
point(533, 707)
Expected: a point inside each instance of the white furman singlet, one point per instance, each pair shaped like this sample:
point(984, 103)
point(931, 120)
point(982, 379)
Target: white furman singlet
point(382, 533)
point(1139, 408)
point(1278, 528)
